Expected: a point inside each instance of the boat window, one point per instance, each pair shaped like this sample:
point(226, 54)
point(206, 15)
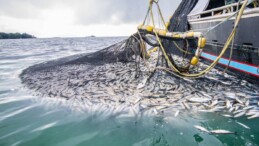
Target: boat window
point(248, 44)
point(212, 5)
point(254, 4)
point(216, 4)
point(227, 2)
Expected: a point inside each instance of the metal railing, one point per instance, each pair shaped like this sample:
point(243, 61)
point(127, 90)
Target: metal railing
point(222, 10)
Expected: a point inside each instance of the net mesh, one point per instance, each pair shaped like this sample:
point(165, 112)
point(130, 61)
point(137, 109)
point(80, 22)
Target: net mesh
point(123, 51)
point(119, 80)
point(179, 23)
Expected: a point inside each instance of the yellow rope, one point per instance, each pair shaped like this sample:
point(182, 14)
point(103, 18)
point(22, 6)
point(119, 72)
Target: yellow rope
point(255, 4)
point(163, 20)
point(182, 50)
point(229, 40)
point(161, 15)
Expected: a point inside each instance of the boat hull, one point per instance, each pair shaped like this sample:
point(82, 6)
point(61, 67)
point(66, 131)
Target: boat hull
point(244, 60)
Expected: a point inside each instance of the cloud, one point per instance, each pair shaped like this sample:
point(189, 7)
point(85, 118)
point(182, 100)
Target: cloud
point(112, 11)
point(22, 9)
point(86, 11)
point(118, 11)
point(55, 17)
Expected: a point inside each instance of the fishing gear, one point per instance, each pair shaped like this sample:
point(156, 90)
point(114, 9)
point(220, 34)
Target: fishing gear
point(161, 34)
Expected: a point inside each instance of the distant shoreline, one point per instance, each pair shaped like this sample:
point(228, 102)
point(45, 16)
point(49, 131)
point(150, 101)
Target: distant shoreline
point(15, 36)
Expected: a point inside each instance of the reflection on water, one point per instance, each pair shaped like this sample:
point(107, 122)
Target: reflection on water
point(26, 120)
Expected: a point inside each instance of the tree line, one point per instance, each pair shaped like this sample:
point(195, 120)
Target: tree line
point(15, 35)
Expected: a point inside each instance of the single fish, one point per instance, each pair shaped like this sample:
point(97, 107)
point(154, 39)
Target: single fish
point(199, 100)
point(254, 116)
point(155, 111)
point(247, 103)
point(176, 113)
point(186, 106)
point(110, 91)
point(230, 95)
point(238, 111)
point(228, 116)
point(214, 103)
point(237, 108)
point(241, 94)
point(142, 84)
point(137, 100)
point(250, 113)
point(249, 107)
point(240, 114)
point(205, 111)
point(202, 129)
point(221, 132)
point(228, 104)
point(243, 125)
point(238, 100)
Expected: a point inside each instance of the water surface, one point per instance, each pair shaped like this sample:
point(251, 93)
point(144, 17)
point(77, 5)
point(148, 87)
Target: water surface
point(29, 120)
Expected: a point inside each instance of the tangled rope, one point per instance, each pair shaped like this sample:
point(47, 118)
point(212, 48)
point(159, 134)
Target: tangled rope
point(173, 68)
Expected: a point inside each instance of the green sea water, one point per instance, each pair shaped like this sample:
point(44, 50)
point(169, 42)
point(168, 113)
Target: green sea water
point(29, 120)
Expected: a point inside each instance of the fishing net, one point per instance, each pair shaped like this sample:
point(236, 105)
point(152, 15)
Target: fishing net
point(120, 52)
point(179, 23)
point(131, 55)
point(123, 79)
point(129, 50)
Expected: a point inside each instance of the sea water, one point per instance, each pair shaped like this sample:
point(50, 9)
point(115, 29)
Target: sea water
point(29, 120)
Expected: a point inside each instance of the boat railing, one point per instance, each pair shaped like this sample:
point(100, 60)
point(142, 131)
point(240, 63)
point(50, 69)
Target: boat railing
point(216, 11)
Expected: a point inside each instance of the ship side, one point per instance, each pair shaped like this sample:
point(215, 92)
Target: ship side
point(243, 58)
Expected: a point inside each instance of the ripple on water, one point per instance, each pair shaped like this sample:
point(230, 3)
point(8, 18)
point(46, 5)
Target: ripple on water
point(14, 132)
point(44, 127)
point(7, 100)
point(16, 112)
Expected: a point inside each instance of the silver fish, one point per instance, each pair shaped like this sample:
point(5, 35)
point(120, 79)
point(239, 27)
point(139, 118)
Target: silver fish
point(201, 128)
point(238, 100)
point(221, 132)
point(214, 103)
point(253, 116)
point(110, 91)
point(240, 114)
point(206, 111)
point(186, 105)
point(248, 107)
point(176, 113)
point(247, 103)
point(230, 95)
point(241, 94)
point(199, 100)
point(229, 116)
point(137, 100)
point(238, 111)
point(228, 104)
point(143, 83)
point(243, 125)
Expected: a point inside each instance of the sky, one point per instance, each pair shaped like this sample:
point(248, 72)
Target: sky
point(76, 18)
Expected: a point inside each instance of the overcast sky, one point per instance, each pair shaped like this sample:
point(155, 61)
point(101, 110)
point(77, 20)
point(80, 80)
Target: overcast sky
point(76, 18)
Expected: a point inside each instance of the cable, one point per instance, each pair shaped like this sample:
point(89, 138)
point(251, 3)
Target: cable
point(229, 40)
point(232, 46)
